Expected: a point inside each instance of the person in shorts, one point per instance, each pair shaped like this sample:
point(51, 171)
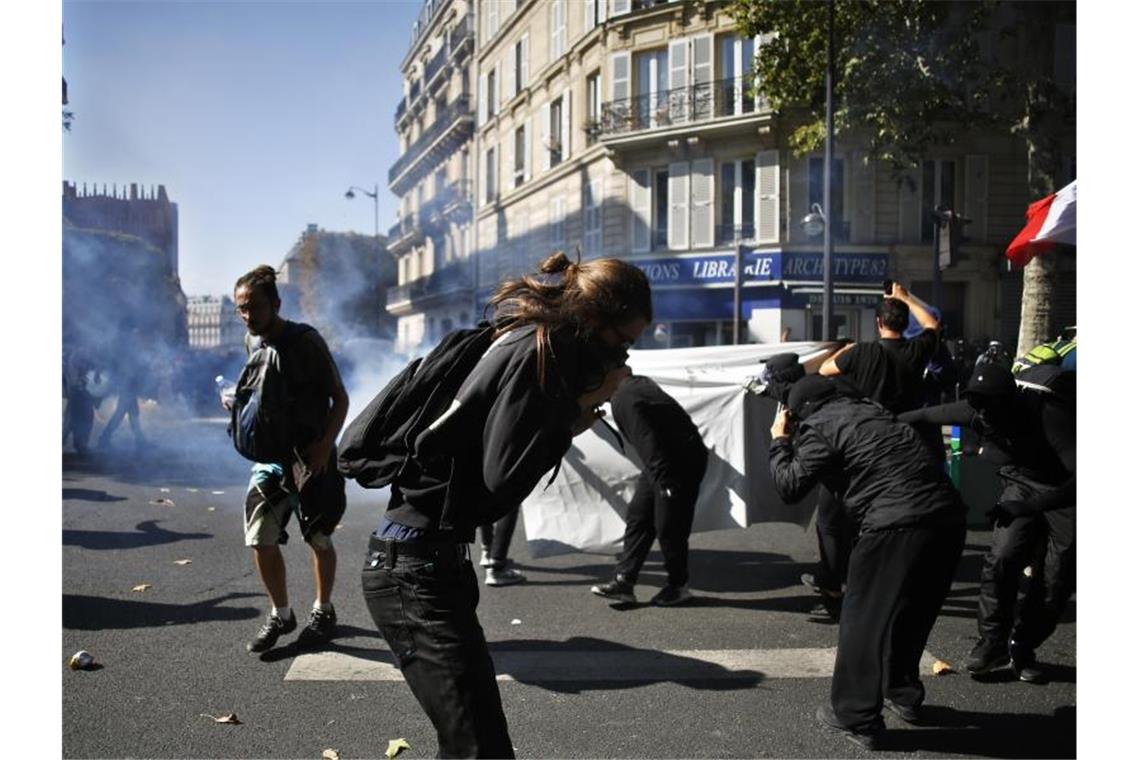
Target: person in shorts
point(310, 485)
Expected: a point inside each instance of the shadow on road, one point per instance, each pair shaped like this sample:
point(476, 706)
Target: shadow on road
point(343, 633)
point(91, 613)
point(993, 734)
point(149, 534)
point(89, 494)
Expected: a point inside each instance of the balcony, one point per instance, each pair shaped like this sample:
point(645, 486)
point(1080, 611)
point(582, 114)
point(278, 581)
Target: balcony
point(401, 109)
point(447, 282)
point(462, 36)
point(405, 233)
point(679, 108)
point(450, 130)
point(451, 203)
point(435, 65)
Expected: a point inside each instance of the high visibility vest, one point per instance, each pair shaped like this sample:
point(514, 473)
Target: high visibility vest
point(1046, 353)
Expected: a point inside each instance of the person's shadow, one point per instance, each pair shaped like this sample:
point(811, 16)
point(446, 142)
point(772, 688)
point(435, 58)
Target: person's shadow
point(149, 534)
point(95, 613)
point(89, 494)
point(947, 731)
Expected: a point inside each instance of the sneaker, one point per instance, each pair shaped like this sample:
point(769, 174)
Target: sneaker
point(905, 712)
point(618, 589)
point(671, 595)
point(507, 576)
point(987, 656)
point(485, 558)
point(808, 579)
point(320, 629)
point(272, 630)
point(871, 739)
point(1025, 665)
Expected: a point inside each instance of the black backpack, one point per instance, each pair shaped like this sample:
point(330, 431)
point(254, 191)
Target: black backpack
point(378, 446)
point(263, 415)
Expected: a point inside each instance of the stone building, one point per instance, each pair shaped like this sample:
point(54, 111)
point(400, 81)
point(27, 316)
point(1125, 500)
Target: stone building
point(212, 323)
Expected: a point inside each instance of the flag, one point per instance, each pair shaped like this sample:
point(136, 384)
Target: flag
point(1049, 221)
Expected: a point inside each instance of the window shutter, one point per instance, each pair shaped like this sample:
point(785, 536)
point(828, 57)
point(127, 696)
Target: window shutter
point(544, 117)
point(620, 7)
point(679, 80)
point(678, 232)
point(767, 212)
point(526, 155)
point(567, 138)
point(977, 195)
point(509, 65)
point(910, 207)
point(702, 84)
point(510, 161)
point(619, 76)
point(602, 10)
point(497, 95)
point(701, 189)
point(525, 65)
point(482, 99)
point(640, 206)
point(591, 15)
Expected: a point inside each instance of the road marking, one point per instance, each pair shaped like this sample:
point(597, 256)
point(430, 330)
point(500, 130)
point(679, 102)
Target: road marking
point(536, 665)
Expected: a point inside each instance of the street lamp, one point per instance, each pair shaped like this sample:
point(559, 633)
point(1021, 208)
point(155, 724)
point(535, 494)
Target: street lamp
point(375, 196)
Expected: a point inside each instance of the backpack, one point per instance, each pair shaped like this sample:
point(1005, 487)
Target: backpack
point(378, 446)
point(263, 415)
point(1047, 353)
point(1050, 379)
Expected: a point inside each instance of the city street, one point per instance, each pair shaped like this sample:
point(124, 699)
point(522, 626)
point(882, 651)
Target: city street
point(738, 672)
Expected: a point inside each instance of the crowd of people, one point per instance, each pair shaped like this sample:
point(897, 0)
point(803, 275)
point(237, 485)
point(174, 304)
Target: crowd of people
point(891, 525)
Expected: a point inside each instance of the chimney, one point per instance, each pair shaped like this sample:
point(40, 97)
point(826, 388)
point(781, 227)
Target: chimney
point(134, 191)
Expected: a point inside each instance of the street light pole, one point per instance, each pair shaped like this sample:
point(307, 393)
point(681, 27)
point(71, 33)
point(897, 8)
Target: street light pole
point(375, 196)
point(828, 286)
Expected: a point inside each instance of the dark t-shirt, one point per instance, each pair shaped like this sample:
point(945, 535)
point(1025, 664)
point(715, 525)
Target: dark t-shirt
point(890, 370)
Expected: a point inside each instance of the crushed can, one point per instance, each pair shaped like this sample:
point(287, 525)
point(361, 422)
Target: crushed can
point(81, 660)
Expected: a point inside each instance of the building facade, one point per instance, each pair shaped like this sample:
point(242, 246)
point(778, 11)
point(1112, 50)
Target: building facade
point(626, 128)
point(212, 322)
point(150, 216)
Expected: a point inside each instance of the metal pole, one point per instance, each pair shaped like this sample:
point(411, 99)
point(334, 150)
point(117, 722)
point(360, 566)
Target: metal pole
point(376, 211)
point(827, 237)
point(738, 281)
point(936, 278)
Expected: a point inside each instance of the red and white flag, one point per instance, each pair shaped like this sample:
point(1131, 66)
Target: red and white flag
point(1051, 220)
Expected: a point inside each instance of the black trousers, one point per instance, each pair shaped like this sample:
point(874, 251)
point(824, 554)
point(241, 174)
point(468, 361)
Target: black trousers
point(496, 537)
point(666, 515)
point(425, 609)
point(835, 535)
point(1047, 541)
point(896, 584)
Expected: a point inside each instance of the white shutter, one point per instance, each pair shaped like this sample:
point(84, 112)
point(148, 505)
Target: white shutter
point(678, 232)
point(767, 212)
point(482, 111)
point(702, 92)
point(525, 67)
point(602, 10)
point(492, 7)
point(910, 206)
point(497, 95)
point(977, 196)
point(526, 155)
point(619, 76)
point(509, 89)
point(544, 117)
point(679, 80)
point(640, 199)
point(591, 15)
point(701, 187)
point(510, 162)
point(567, 138)
point(620, 7)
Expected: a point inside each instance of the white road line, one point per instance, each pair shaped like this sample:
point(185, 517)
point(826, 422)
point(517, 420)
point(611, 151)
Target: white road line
point(536, 665)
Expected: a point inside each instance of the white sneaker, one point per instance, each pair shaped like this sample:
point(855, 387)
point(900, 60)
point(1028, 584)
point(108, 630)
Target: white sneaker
point(485, 558)
point(505, 577)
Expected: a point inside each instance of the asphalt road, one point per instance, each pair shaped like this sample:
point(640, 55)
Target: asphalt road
point(172, 655)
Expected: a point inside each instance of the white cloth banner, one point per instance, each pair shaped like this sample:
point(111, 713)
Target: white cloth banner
point(584, 508)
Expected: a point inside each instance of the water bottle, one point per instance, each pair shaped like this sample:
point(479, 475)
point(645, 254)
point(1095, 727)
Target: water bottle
point(226, 390)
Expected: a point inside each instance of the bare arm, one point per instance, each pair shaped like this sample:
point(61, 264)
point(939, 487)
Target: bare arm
point(830, 368)
point(916, 306)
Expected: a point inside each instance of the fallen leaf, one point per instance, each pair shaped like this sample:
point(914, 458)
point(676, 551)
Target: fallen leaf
point(141, 587)
point(211, 509)
point(516, 621)
point(183, 561)
point(330, 754)
point(396, 746)
point(230, 718)
point(162, 502)
point(941, 667)
point(218, 493)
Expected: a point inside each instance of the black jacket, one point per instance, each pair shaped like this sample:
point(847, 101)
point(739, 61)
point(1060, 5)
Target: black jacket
point(660, 431)
point(504, 431)
point(1034, 440)
point(874, 464)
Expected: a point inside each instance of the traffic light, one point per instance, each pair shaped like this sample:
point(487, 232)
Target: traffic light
point(948, 225)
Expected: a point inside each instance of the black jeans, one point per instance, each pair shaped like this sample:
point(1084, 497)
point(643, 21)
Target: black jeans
point(425, 609)
point(835, 535)
point(1016, 545)
point(496, 537)
point(664, 514)
point(896, 584)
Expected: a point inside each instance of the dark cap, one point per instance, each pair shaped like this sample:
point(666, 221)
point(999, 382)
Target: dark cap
point(990, 379)
point(783, 367)
point(809, 394)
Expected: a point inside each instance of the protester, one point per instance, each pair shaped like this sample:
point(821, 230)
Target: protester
point(562, 337)
point(911, 530)
point(890, 372)
point(79, 417)
point(310, 484)
point(1030, 428)
point(496, 541)
point(130, 376)
point(674, 459)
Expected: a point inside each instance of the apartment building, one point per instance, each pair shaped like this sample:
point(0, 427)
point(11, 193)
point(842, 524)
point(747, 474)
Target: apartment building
point(627, 128)
point(432, 239)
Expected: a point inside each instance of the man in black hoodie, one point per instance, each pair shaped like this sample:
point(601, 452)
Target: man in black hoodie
point(911, 529)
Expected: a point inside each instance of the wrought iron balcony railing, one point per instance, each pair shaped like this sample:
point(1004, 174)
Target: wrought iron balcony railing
point(447, 280)
point(456, 110)
point(683, 105)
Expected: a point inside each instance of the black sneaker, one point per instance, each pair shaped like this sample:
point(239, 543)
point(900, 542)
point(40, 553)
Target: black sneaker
point(671, 595)
point(870, 739)
point(618, 589)
point(272, 630)
point(320, 629)
point(987, 656)
point(905, 712)
point(1024, 662)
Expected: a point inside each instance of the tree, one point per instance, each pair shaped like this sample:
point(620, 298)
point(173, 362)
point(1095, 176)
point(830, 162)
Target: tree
point(910, 75)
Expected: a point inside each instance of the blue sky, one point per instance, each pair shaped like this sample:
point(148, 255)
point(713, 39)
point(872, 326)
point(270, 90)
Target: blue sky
point(256, 116)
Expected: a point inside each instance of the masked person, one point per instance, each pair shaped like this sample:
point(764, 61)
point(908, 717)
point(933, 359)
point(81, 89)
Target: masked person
point(1029, 428)
point(562, 339)
point(911, 528)
point(674, 459)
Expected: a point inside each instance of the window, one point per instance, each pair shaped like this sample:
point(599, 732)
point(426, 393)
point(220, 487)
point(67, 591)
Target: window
point(557, 28)
point(595, 13)
point(937, 190)
point(593, 106)
point(554, 141)
point(440, 181)
point(491, 14)
point(652, 102)
point(735, 66)
point(660, 208)
point(492, 92)
point(592, 217)
point(521, 64)
point(737, 201)
point(557, 222)
point(518, 173)
point(492, 174)
point(815, 192)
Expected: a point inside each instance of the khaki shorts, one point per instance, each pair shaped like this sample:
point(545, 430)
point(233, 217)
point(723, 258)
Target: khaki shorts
point(269, 503)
